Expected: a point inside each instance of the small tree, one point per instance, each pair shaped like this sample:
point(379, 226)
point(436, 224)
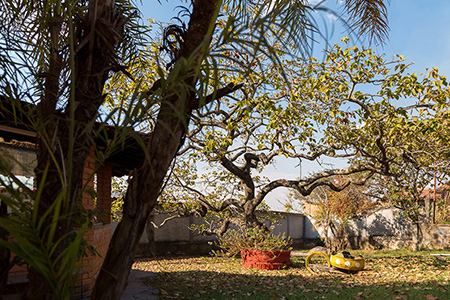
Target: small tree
point(333, 210)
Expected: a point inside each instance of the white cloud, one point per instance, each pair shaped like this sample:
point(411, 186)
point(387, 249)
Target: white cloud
point(314, 2)
point(332, 17)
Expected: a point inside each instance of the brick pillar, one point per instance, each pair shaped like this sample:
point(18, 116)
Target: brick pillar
point(86, 278)
point(88, 181)
point(100, 235)
point(104, 174)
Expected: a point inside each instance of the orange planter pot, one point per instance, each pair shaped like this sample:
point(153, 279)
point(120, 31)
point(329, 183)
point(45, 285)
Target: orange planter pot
point(266, 260)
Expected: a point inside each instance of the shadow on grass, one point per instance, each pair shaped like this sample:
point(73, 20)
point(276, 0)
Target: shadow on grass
point(295, 283)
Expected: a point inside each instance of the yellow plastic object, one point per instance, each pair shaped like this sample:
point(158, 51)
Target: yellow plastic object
point(308, 259)
point(351, 264)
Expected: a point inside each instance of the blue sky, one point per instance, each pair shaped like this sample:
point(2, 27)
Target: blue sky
point(418, 30)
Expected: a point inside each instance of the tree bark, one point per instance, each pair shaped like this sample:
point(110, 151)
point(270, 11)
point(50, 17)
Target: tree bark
point(93, 61)
point(417, 237)
point(5, 254)
point(163, 145)
point(147, 180)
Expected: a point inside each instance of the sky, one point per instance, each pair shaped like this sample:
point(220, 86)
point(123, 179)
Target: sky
point(419, 30)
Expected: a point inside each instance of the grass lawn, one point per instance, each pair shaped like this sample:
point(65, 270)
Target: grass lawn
point(389, 275)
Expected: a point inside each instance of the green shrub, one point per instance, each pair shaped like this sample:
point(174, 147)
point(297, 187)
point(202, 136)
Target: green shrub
point(258, 238)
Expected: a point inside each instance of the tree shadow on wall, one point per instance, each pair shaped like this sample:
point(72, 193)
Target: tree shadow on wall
point(383, 229)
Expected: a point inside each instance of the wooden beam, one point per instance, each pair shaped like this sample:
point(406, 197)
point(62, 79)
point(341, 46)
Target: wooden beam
point(18, 130)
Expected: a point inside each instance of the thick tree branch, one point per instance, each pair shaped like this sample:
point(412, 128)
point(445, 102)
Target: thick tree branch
point(222, 92)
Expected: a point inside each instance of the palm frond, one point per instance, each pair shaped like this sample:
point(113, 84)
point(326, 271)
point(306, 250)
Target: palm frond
point(369, 17)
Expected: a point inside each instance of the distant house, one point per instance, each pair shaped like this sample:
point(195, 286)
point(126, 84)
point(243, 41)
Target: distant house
point(437, 204)
point(442, 192)
point(18, 144)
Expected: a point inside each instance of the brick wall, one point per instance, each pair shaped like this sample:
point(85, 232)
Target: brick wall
point(99, 238)
point(103, 207)
point(16, 269)
point(100, 235)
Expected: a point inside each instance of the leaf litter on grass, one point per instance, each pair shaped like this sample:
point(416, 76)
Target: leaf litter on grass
point(411, 275)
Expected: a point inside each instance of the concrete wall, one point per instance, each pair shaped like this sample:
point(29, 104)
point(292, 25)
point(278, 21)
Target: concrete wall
point(176, 238)
point(436, 236)
point(389, 229)
point(386, 229)
point(385, 222)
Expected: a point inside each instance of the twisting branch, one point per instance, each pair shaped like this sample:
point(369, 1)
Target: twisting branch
point(222, 92)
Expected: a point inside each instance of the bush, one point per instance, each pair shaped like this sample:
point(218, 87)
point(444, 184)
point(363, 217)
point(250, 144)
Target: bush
point(258, 238)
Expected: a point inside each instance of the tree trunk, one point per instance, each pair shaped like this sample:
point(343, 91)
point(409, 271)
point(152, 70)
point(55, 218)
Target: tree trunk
point(150, 232)
point(4, 268)
point(65, 138)
point(417, 237)
point(146, 182)
point(113, 276)
point(5, 254)
point(47, 168)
